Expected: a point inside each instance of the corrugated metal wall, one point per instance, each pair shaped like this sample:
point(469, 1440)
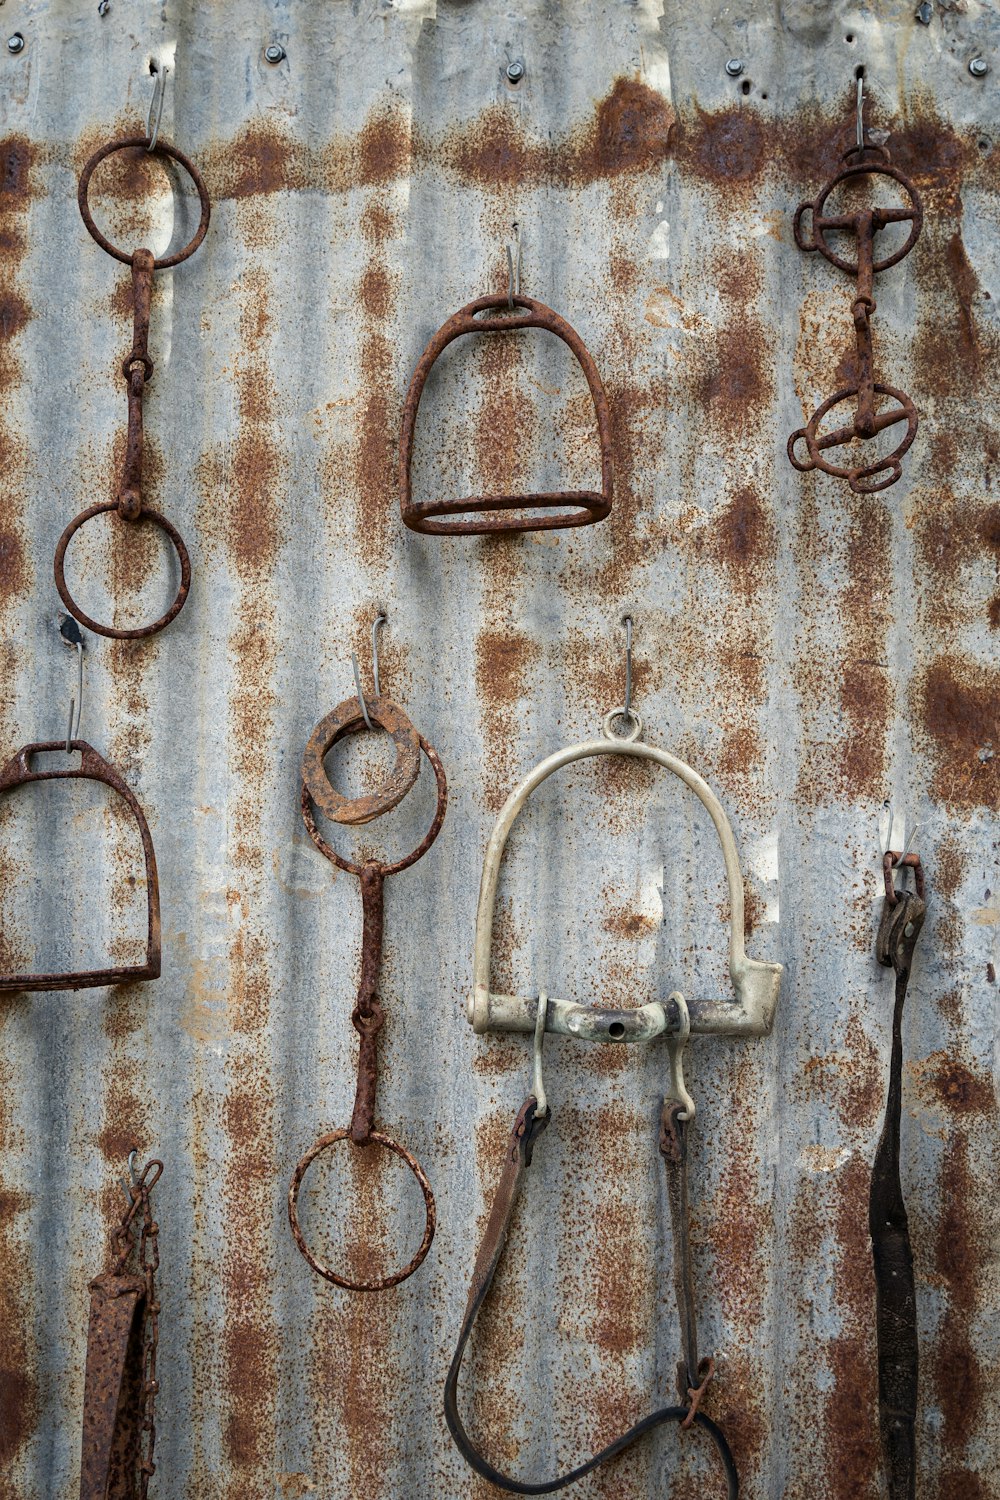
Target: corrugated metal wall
point(809, 651)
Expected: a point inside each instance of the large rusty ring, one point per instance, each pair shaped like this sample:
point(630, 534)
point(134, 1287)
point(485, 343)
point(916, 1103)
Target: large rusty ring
point(347, 718)
point(914, 215)
point(859, 473)
point(415, 854)
point(140, 630)
point(162, 148)
point(429, 1208)
point(593, 505)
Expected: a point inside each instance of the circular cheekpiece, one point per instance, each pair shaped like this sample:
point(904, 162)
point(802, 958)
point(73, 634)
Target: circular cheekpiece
point(408, 859)
point(347, 718)
point(429, 1208)
point(914, 216)
point(863, 478)
point(141, 630)
point(162, 148)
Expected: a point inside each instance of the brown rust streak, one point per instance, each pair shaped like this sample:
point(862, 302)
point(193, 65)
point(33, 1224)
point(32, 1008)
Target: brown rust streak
point(19, 1390)
point(955, 707)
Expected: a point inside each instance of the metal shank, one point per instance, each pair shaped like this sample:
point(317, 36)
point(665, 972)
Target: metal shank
point(93, 767)
point(593, 505)
point(755, 984)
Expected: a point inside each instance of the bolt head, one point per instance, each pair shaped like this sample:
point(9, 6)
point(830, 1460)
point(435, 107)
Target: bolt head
point(924, 13)
point(15, 43)
point(979, 67)
point(735, 66)
point(515, 71)
point(275, 53)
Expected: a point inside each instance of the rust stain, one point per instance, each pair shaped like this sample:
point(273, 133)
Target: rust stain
point(955, 1374)
point(733, 381)
point(19, 1388)
point(744, 540)
point(727, 148)
point(955, 702)
point(945, 1080)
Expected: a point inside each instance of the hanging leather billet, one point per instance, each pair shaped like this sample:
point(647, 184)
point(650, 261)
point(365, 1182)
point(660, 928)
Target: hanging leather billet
point(544, 512)
point(93, 767)
point(368, 1016)
point(864, 161)
point(120, 1386)
point(137, 367)
point(750, 1013)
point(902, 918)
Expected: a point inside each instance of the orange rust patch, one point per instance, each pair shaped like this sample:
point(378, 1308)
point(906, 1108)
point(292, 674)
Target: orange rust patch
point(384, 148)
point(503, 660)
point(949, 1082)
point(734, 383)
point(726, 148)
point(744, 539)
point(956, 1377)
point(957, 704)
point(257, 161)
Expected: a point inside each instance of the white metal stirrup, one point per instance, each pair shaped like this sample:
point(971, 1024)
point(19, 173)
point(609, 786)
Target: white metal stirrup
point(755, 984)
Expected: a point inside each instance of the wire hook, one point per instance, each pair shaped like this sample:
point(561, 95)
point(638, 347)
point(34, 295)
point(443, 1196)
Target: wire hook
point(537, 1082)
point(156, 104)
point(514, 267)
point(377, 624)
point(73, 636)
point(861, 112)
point(627, 622)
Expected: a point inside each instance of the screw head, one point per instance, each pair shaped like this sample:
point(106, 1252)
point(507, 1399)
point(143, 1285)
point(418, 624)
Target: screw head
point(735, 66)
point(924, 13)
point(275, 53)
point(515, 72)
point(979, 67)
point(15, 43)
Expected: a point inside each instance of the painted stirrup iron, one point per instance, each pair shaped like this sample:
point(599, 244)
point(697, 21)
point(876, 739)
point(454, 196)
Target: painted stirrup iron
point(93, 767)
point(491, 513)
point(756, 990)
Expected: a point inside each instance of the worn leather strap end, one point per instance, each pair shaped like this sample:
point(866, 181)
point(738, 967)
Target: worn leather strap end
point(112, 1388)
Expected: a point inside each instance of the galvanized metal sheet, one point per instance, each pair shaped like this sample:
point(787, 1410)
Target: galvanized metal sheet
point(808, 651)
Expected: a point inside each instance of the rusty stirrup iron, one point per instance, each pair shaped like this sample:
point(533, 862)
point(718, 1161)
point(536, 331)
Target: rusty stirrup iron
point(120, 1386)
point(137, 367)
point(863, 160)
point(895, 1292)
point(491, 513)
point(368, 1016)
point(93, 767)
point(750, 1014)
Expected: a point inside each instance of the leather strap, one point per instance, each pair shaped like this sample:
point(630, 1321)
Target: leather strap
point(895, 1293)
point(528, 1126)
point(112, 1402)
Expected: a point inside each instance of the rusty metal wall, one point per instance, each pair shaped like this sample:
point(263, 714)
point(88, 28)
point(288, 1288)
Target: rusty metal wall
point(809, 651)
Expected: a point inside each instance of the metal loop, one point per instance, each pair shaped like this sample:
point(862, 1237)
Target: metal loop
point(677, 1089)
point(430, 1209)
point(140, 631)
point(627, 622)
point(537, 1082)
point(860, 115)
point(163, 148)
point(514, 268)
point(623, 713)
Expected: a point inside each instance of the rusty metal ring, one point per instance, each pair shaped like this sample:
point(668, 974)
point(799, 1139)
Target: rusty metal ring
point(429, 1206)
point(593, 505)
point(408, 859)
point(162, 148)
point(864, 169)
point(141, 630)
point(889, 465)
point(347, 718)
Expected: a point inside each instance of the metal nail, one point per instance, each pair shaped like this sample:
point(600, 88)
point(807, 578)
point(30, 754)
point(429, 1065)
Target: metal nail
point(515, 72)
point(924, 13)
point(275, 53)
point(978, 67)
point(735, 66)
point(15, 43)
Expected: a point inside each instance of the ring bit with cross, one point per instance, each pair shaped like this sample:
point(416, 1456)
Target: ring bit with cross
point(137, 368)
point(863, 160)
point(348, 718)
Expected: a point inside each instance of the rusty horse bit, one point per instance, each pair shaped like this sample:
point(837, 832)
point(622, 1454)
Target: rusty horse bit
point(137, 367)
point(756, 994)
point(368, 1017)
point(864, 160)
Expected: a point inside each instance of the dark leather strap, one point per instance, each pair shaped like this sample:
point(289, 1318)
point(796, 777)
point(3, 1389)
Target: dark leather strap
point(527, 1128)
point(895, 1294)
point(112, 1401)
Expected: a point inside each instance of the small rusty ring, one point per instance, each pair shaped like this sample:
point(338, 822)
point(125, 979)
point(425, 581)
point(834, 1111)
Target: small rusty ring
point(162, 148)
point(347, 718)
point(892, 860)
point(873, 169)
point(136, 357)
point(429, 1206)
point(141, 630)
point(408, 859)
